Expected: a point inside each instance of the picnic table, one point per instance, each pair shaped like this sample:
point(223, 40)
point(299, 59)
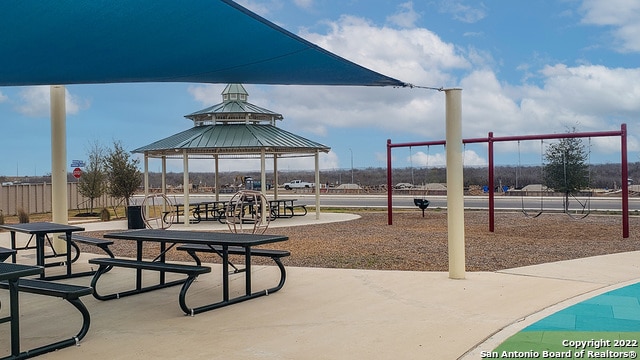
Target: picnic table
point(40, 231)
point(222, 244)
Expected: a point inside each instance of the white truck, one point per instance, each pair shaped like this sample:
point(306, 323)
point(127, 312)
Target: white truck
point(298, 184)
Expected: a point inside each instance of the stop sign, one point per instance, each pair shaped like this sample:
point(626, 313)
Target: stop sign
point(77, 172)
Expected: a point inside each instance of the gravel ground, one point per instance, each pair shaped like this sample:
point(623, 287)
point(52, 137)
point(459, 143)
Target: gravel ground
point(420, 244)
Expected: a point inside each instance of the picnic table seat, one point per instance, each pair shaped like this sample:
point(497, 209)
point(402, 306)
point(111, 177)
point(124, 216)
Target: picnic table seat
point(103, 244)
point(70, 293)
point(5, 253)
point(192, 272)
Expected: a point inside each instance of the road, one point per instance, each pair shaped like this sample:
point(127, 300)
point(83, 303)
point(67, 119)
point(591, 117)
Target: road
point(531, 204)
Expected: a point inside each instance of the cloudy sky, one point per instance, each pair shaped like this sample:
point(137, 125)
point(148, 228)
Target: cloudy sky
point(524, 67)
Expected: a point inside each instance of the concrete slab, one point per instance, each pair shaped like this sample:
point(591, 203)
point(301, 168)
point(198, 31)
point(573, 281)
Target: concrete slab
point(320, 313)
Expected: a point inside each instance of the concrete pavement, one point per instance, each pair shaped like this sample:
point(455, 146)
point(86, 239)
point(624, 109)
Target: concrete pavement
point(321, 313)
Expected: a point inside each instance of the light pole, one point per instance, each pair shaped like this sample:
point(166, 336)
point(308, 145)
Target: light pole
point(351, 164)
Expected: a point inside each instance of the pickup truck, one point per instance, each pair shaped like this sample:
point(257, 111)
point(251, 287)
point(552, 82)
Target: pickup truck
point(298, 184)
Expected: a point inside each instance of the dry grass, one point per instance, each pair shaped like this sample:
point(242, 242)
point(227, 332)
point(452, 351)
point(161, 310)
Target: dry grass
point(420, 244)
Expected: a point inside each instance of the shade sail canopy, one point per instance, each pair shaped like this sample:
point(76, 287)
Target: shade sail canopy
point(120, 41)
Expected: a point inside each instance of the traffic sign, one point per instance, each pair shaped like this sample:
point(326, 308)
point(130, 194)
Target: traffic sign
point(77, 172)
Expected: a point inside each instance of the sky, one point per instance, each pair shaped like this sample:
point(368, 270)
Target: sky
point(524, 67)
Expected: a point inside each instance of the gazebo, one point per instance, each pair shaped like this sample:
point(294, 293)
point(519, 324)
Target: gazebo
point(232, 129)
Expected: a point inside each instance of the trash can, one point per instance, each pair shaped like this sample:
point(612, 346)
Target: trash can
point(134, 217)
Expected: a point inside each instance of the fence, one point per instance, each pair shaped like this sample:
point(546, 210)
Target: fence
point(36, 198)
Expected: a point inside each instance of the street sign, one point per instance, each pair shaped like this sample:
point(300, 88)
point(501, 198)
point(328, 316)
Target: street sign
point(78, 163)
point(77, 172)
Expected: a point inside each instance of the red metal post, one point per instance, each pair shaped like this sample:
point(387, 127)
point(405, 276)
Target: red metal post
point(491, 184)
point(389, 185)
point(625, 182)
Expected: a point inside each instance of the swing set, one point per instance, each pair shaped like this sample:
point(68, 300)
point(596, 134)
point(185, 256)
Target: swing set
point(490, 140)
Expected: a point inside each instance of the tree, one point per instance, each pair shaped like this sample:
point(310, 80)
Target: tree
point(123, 176)
point(565, 170)
point(92, 183)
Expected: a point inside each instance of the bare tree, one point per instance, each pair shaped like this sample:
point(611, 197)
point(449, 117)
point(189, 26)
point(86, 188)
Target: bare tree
point(92, 183)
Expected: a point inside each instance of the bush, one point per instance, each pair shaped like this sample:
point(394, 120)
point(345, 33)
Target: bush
point(1, 218)
point(105, 215)
point(23, 216)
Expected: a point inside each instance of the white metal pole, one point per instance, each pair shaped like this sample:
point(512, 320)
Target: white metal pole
point(59, 206)
point(455, 184)
point(185, 180)
point(263, 172)
point(275, 176)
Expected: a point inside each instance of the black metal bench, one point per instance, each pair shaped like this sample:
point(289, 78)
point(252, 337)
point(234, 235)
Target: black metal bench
point(101, 243)
point(275, 255)
point(70, 293)
point(292, 209)
point(6, 253)
point(192, 272)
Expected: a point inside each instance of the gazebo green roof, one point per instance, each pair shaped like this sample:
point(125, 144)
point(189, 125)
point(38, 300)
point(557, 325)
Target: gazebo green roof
point(233, 108)
point(234, 140)
point(234, 128)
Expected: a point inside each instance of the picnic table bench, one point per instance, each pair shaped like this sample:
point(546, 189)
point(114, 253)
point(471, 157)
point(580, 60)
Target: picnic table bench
point(191, 271)
point(11, 279)
point(103, 244)
point(6, 253)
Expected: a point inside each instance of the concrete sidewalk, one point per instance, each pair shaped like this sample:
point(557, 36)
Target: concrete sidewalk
point(323, 313)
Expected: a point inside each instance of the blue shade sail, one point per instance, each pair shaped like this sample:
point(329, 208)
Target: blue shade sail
point(48, 42)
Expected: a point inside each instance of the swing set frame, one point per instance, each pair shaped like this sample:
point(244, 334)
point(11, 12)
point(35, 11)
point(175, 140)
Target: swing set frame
point(490, 140)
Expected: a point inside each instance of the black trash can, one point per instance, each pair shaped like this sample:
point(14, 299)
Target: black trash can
point(134, 217)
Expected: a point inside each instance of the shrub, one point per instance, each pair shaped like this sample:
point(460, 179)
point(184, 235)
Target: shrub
point(105, 215)
point(1, 218)
point(23, 216)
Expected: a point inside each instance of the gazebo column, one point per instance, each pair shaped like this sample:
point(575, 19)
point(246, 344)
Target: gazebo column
point(275, 176)
point(216, 188)
point(263, 172)
point(185, 187)
point(146, 174)
point(164, 182)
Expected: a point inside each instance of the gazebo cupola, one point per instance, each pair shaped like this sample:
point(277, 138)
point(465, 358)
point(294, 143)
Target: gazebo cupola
point(234, 109)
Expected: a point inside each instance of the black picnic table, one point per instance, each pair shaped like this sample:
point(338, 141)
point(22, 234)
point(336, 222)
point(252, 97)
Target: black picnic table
point(40, 231)
point(168, 239)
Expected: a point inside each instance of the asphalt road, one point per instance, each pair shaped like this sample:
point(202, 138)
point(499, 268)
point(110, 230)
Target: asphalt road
point(532, 204)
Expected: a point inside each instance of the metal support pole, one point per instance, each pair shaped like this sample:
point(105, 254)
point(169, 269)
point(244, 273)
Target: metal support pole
point(455, 184)
point(389, 186)
point(491, 185)
point(625, 181)
point(185, 180)
point(59, 205)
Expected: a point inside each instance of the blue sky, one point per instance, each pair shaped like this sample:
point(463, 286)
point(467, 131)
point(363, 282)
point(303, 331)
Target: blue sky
point(525, 67)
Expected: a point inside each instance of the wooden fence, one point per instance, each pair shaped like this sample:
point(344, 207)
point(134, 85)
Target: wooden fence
point(36, 198)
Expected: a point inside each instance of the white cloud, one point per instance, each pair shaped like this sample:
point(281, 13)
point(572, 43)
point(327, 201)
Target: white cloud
point(439, 159)
point(3, 97)
point(461, 12)
point(623, 16)
point(34, 101)
point(405, 17)
point(589, 97)
point(305, 4)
